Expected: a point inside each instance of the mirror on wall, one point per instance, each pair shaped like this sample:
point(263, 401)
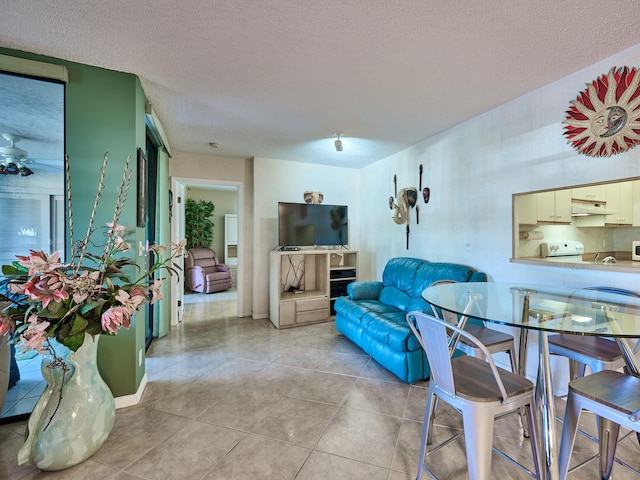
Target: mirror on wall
point(33, 208)
point(593, 226)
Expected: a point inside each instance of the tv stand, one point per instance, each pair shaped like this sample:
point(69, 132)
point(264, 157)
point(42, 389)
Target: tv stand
point(304, 284)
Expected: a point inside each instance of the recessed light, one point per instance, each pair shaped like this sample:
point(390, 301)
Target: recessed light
point(214, 144)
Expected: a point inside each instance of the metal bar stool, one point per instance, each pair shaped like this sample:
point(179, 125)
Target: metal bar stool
point(477, 388)
point(615, 398)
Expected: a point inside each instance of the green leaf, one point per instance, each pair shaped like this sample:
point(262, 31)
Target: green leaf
point(89, 306)
point(78, 325)
point(94, 328)
point(74, 342)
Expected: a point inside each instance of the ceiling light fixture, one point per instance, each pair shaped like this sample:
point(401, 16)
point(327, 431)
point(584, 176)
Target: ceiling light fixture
point(338, 142)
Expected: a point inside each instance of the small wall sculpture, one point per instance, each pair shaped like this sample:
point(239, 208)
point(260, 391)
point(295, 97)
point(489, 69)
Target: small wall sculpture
point(313, 197)
point(406, 199)
point(605, 118)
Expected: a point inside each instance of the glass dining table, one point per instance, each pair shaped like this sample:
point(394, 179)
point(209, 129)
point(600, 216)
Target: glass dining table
point(544, 309)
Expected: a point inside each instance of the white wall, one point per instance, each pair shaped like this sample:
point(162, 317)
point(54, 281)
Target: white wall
point(473, 170)
point(284, 181)
point(198, 169)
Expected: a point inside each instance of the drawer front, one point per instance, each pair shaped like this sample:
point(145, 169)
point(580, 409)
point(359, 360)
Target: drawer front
point(312, 316)
point(312, 304)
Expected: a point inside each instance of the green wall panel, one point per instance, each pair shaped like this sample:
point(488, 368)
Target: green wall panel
point(105, 113)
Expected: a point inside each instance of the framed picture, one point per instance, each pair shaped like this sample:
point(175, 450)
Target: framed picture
point(142, 189)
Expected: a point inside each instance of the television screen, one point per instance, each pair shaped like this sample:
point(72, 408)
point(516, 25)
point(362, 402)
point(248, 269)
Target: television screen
point(305, 224)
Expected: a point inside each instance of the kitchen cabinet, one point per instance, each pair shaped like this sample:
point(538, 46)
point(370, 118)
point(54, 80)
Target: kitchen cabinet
point(591, 194)
point(526, 212)
point(553, 207)
point(620, 199)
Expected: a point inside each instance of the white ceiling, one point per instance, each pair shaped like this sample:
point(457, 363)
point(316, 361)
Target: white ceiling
point(276, 78)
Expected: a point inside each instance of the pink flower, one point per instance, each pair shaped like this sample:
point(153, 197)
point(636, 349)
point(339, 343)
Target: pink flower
point(6, 325)
point(45, 288)
point(179, 248)
point(84, 286)
point(121, 245)
point(38, 262)
point(35, 335)
point(115, 229)
point(114, 318)
point(131, 302)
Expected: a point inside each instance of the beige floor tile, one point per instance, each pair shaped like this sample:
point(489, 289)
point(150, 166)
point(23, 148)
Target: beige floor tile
point(296, 421)
point(137, 430)
point(364, 436)
point(190, 453)
point(323, 387)
point(259, 457)
point(378, 396)
point(240, 408)
point(324, 466)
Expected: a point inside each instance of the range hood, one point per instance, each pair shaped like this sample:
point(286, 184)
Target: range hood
point(585, 209)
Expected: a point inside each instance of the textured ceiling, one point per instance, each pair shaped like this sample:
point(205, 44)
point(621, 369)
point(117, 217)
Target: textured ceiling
point(276, 78)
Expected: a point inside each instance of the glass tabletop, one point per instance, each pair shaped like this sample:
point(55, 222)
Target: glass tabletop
point(549, 308)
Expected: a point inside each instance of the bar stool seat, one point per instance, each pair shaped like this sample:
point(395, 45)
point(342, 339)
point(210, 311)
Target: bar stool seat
point(615, 398)
point(597, 353)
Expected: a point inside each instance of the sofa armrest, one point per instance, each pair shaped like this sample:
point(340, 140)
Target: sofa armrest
point(364, 290)
point(221, 267)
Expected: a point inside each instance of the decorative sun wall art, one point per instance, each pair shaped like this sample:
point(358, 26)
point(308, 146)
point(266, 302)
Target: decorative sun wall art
point(605, 118)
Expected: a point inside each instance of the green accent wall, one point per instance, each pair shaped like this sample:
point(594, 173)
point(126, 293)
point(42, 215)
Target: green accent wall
point(104, 112)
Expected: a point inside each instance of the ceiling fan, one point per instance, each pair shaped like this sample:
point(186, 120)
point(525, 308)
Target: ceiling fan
point(15, 159)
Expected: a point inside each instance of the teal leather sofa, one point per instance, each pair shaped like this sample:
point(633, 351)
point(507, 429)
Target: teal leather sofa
point(373, 315)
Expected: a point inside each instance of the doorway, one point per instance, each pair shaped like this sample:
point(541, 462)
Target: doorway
point(183, 188)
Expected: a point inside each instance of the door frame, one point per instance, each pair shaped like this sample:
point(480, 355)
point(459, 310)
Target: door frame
point(179, 187)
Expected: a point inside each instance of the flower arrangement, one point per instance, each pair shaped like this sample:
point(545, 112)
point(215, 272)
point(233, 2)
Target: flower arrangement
point(92, 293)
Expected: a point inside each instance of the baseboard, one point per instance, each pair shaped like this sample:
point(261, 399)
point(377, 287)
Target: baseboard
point(134, 399)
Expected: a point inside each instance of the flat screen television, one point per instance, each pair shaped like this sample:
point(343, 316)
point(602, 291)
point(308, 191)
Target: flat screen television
point(306, 224)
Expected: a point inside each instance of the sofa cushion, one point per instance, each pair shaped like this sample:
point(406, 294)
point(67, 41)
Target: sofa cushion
point(364, 290)
point(427, 273)
point(355, 309)
point(400, 272)
point(394, 297)
point(390, 328)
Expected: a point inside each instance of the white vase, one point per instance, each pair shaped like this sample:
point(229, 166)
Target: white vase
point(64, 431)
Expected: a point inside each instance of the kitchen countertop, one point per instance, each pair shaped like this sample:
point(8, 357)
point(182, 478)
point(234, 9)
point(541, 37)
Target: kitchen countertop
point(621, 265)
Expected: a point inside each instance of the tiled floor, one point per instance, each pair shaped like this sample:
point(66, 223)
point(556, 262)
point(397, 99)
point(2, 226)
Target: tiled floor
point(234, 398)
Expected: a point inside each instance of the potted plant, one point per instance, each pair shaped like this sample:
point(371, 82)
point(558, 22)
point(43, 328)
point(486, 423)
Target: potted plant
point(198, 223)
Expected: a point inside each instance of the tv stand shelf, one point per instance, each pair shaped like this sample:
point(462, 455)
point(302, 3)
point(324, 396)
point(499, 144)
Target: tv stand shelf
point(321, 276)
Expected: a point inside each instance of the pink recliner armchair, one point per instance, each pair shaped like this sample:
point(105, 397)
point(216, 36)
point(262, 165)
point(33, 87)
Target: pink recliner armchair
point(203, 273)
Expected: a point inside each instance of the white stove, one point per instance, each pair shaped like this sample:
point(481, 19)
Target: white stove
point(568, 251)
